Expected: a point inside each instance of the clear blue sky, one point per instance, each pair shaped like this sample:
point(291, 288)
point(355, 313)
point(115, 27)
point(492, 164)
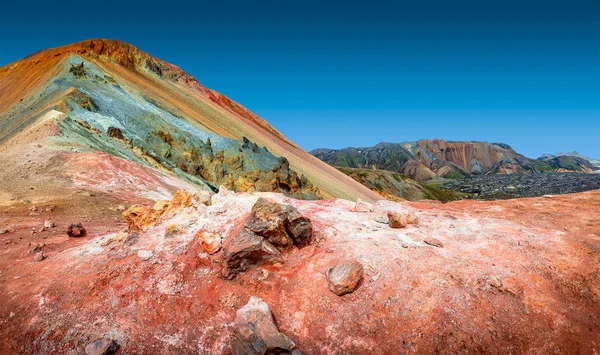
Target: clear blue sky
point(354, 73)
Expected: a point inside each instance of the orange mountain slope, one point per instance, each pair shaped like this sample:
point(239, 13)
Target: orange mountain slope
point(52, 79)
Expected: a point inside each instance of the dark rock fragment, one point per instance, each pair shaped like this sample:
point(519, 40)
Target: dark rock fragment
point(256, 333)
point(76, 230)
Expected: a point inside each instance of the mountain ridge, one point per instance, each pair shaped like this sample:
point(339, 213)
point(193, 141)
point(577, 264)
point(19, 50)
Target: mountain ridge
point(150, 88)
point(428, 159)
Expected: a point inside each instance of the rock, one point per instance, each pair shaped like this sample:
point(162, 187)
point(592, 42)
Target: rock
point(380, 219)
point(397, 220)
point(171, 230)
point(281, 224)
point(3, 231)
point(180, 201)
point(114, 132)
point(362, 206)
point(39, 256)
point(25, 202)
point(255, 332)
point(50, 208)
point(48, 224)
point(268, 220)
point(345, 278)
point(433, 242)
point(299, 228)
point(76, 230)
point(145, 254)
point(202, 197)
point(139, 218)
point(245, 250)
point(411, 218)
point(103, 346)
point(38, 248)
point(210, 242)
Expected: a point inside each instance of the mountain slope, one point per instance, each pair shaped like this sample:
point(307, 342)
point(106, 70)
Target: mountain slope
point(573, 159)
point(119, 100)
point(428, 159)
point(397, 187)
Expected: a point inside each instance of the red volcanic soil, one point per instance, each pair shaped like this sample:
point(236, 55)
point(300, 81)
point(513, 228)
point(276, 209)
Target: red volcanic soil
point(515, 276)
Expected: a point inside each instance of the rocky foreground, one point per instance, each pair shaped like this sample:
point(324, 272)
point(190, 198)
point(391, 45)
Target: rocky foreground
point(259, 272)
point(491, 187)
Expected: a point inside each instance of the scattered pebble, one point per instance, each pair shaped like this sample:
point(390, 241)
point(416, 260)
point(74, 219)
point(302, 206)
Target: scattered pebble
point(433, 242)
point(145, 254)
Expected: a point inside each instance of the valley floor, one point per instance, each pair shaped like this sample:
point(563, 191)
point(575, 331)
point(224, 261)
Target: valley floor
point(491, 187)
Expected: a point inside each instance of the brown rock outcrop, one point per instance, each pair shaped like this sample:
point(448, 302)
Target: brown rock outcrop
point(281, 224)
point(246, 249)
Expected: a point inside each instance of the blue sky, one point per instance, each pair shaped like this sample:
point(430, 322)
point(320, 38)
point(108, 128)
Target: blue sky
point(355, 73)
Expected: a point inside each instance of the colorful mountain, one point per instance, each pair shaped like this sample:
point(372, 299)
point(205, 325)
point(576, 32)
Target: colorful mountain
point(429, 159)
point(107, 97)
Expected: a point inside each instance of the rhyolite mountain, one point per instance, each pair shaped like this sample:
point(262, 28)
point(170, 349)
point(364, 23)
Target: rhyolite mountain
point(106, 96)
point(429, 159)
point(571, 159)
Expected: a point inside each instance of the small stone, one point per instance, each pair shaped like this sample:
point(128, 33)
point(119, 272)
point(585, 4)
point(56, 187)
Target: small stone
point(362, 206)
point(376, 277)
point(433, 242)
point(255, 332)
point(381, 219)
point(345, 278)
point(494, 282)
point(171, 230)
point(76, 230)
point(145, 254)
point(48, 224)
point(25, 202)
point(397, 220)
point(210, 242)
point(202, 197)
point(103, 346)
point(50, 208)
point(39, 256)
point(3, 231)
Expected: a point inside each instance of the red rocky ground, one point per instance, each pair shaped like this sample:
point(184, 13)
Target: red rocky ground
point(515, 276)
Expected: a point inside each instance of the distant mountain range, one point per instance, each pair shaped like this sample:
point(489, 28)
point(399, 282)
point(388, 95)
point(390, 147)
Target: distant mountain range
point(430, 159)
point(576, 157)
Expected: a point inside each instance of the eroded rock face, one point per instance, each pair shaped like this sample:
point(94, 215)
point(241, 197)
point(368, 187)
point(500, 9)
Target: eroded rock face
point(345, 278)
point(246, 249)
point(139, 218)
point(281, 224)
point(256, 332)
point(102, 346)
point(76, 230)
